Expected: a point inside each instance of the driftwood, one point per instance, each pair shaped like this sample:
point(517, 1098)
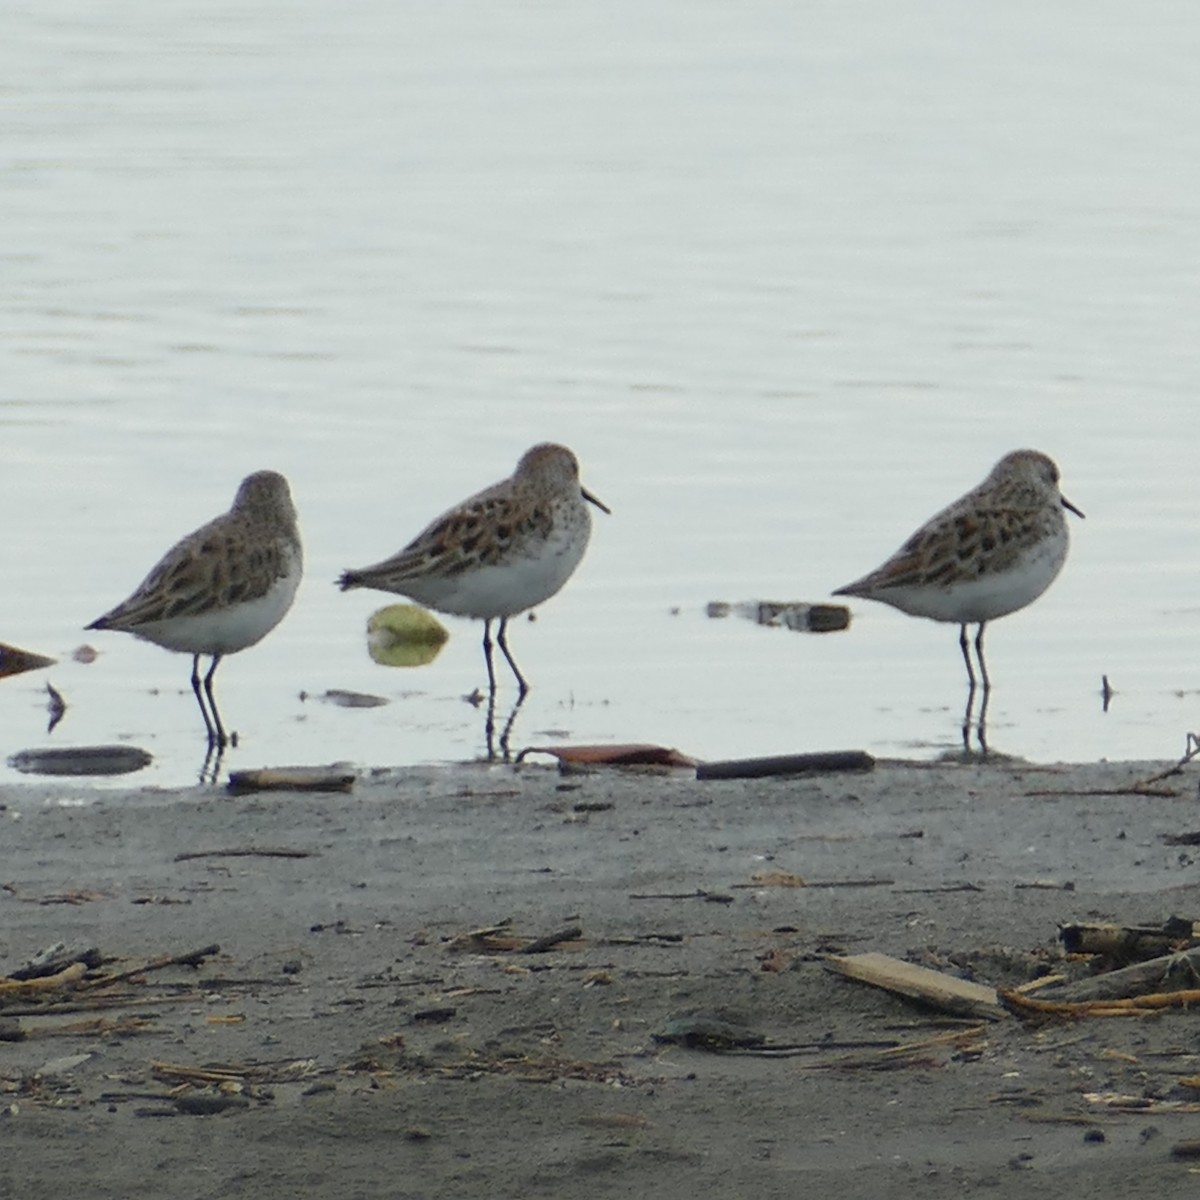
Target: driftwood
point(1128, 943)
point(1130, 1006)
point(81, 760)
point(551, 940)
point(193, 958)
point(1171, 973)
point(907, 1054)
point(499, 939)
point(52, 959)
point(796, 615)
point(825, 762)
point(67, 977)
point(1139, 787)
point(627, 754)
point(94, 1003)
point(291, 779)
point(246, 852)
point(957, 996)
point(787, 879)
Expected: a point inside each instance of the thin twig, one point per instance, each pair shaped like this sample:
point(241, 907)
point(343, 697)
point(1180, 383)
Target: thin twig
point(192, 958)
point(248, 852)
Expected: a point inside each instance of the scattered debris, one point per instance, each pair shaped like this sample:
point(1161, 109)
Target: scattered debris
point(53, 959)
point(787, 764)
point(1119, 1102)
point(248, 852)
point(709, 1033)
point(63, 1065)
point(552, 941)
point(796, 615)
point(191, 958)
point(964, 886)
point(64, 980)
point(784, 879)
point(946, 992)
point(615, 1121)
point(644, 754)
point(698, 894)
point(496, 939)
point(1150, 984)
point(1129, 943)
point(75, 896)
point(1139, 787)
point(404, 635)
point(434, 1016)
point(208, 1104)
point(1132, 1006)
point(831, 883)
point(622, 755)
point(965, 1042)
point(345, 699)
point(334, 778)
point(81, 760)
point(234, 1074)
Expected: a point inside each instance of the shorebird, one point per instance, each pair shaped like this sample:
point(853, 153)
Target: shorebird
point(222, 588)
point(499, 552)
point(990, 553)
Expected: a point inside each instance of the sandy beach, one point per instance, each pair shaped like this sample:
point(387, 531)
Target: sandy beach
point(370, 1025)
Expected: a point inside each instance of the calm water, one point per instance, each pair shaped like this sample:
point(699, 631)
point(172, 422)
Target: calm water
point(787, 277)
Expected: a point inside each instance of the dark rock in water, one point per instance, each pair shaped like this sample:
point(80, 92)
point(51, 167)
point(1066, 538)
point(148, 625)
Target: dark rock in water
point(81, 760)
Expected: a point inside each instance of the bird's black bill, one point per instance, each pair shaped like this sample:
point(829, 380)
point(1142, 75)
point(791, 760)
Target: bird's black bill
point(1070, 507)
point(600, 503)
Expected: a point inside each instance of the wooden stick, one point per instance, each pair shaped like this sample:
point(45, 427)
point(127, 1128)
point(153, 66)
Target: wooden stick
point(248, 852)
point(1131, 1006)
point(43, 983)
point(950, 994)
point(542, 944)
point(1145, 977)
point(191, 959)
point(98, 1003)
point(787, 764)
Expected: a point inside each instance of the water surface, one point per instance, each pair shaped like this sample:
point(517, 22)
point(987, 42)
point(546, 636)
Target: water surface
point(787, 278)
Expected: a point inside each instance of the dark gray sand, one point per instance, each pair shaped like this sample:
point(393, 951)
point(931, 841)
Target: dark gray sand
point(393, 1061)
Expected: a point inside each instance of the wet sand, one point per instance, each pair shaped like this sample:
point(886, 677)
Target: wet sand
point(393, 1057)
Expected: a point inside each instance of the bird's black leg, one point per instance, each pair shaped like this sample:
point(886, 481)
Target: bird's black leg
point(487, 656)
point(502, 639)
point(208, 725)
point(987, 683)
point(220, 738)
point(966, 653)
point(982, 728)
point(506, 735)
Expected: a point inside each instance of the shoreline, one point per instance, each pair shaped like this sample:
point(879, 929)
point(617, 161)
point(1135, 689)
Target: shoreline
point(385, 1051)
